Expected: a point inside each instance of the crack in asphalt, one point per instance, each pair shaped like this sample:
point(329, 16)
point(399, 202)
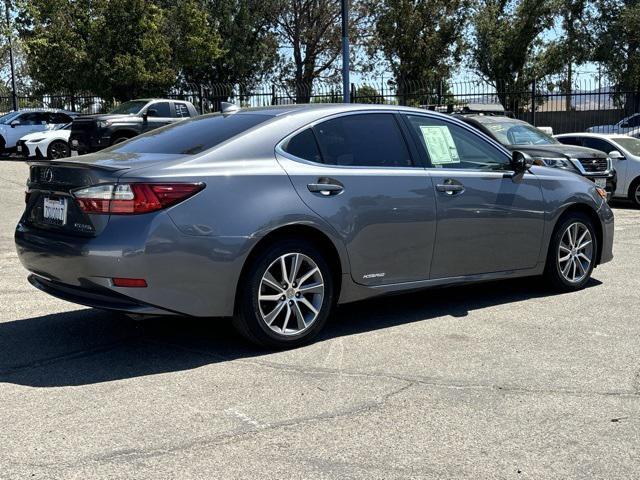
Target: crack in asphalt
point(427, 381)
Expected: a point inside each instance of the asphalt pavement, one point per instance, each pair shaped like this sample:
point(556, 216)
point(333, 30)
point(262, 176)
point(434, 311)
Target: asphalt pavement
point(500, 380)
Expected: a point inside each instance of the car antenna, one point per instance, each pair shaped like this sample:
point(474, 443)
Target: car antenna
point(227, 107)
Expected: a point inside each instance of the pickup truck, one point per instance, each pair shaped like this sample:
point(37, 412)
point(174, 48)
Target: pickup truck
point(90, 133)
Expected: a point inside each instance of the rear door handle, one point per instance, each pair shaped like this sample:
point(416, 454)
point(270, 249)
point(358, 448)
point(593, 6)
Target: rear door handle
point(325, 189)
point(450, 188)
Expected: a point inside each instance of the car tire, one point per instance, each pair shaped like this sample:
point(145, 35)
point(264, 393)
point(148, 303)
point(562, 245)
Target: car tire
point(572, 253)
point(277, 312)
point(58, 149)
point(634, 192)
point(119, 139)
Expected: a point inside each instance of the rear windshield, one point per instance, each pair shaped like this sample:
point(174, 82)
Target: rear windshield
point(189, 137)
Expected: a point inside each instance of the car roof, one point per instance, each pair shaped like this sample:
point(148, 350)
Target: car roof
point(611, 136)
point(485, 119)
point(42, 110)
point(328, 108)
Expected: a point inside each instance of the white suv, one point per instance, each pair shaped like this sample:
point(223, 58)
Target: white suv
point(624, 152)
point(15, 125)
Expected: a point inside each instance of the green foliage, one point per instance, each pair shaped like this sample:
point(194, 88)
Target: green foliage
point(367, 94)
point(250, 45)
point(618, 49)
point(421, 40)
point(508, 50)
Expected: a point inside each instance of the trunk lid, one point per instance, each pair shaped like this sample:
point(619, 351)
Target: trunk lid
point(50, 203)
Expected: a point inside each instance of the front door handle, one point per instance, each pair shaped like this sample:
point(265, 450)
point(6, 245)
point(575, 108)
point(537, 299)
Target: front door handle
point(450, 188)
point(325, 189)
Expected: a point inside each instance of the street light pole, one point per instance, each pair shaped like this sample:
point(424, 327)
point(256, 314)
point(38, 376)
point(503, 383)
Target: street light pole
point(345, 52)
point(14, 95)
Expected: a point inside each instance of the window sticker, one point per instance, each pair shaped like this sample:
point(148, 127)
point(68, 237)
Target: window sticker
point(440, 145)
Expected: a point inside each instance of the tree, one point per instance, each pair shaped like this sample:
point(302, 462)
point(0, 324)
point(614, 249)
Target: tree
point(55, 34)
point(196, 41)
point(574, 46)
point(248, 39)
point(311, 30)
point(618, 33)
point(420, 40)
point(130, 50)
point(507, 51)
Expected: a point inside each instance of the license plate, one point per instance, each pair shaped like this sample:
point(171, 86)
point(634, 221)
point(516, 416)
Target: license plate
point(74, 153)
point(601, 182)
point(19, 148)
point(55, 210)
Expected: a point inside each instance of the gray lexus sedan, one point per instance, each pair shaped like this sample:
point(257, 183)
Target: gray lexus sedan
point(272, 216)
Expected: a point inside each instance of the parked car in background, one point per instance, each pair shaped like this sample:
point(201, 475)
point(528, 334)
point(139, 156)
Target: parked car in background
point(274, 215)
point(90, 133)
point(49, 144)
point(625, 125)
point(519, 135)
point(15, 125)
point(623, 150)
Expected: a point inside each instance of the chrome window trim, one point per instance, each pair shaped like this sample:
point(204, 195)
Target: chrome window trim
point(281, 151)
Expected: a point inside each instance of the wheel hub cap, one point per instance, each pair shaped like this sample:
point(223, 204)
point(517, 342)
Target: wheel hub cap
point(291, 294)
point(575, 252)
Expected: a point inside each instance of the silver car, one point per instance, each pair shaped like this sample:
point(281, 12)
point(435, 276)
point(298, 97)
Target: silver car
point(272, 216)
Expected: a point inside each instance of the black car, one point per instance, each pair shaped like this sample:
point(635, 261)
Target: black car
point(90, 133)
point(516, 134)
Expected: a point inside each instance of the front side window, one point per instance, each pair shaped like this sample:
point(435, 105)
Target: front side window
point(363, 140)
point(132, 107)
point(633, 121)
point(630, 144)
point(447, 145)
point(191, 136)
point(31, 118)
point(159, 109)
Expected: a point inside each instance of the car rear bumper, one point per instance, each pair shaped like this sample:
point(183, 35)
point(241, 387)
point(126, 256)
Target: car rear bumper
point(187, 275)
point(95, 296)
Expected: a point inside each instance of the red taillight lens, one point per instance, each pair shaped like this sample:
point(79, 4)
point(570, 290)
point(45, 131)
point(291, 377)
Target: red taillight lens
point(129, 282)
point(133, 198)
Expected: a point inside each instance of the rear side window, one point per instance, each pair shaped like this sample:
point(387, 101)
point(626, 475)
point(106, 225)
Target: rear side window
point(304, 146)
point(162, 109)
point(597, 144)
point(363, 140)
point(570, 140)
point(192, 136)
point(181, 110)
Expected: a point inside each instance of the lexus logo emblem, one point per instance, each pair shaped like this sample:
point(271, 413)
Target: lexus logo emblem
point(594, 161)
point(47, 175)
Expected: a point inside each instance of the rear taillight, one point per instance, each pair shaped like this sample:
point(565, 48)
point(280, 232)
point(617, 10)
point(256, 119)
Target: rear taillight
point(133, 198)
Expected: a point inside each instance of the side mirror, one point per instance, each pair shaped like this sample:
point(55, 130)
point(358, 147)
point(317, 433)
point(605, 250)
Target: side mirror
point(624, 125)
point(15, 123)
point(616, 155)
point(521, 161)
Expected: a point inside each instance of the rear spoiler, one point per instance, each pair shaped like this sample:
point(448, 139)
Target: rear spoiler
point(71, 163)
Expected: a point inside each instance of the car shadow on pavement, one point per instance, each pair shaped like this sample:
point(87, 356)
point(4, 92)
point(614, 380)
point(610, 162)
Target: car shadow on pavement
point(90, 346)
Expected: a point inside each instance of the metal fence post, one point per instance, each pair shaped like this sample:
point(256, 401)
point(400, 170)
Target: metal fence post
point(533, 102)
point(353, 93)
point(201, 99)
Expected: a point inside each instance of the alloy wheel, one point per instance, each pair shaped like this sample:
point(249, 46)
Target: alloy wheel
point(575, 252)
point(58, 150)
point(291, 294)
point(637, 194)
